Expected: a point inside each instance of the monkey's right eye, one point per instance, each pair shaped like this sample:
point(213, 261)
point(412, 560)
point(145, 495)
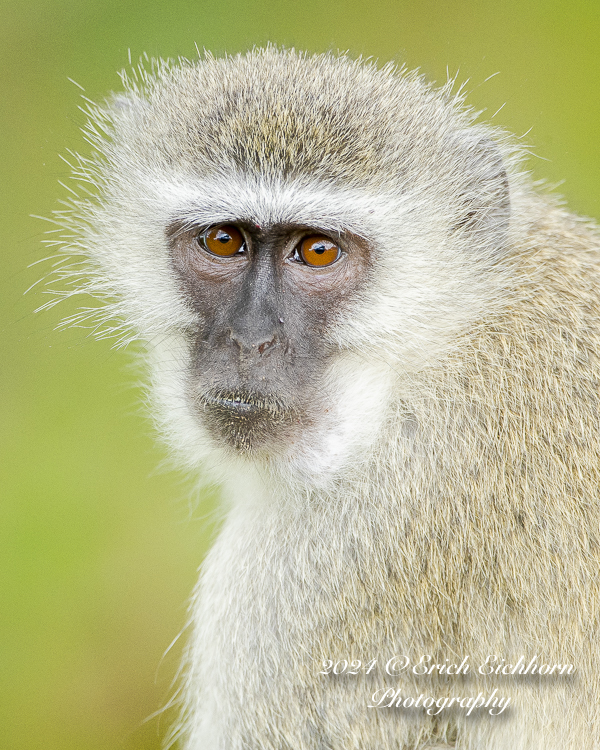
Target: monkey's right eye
point(224, 241)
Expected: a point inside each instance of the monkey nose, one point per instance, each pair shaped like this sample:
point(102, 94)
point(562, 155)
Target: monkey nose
point(253, 345)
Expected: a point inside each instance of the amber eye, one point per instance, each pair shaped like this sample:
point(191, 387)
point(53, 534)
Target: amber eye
point(224, 241)
point(319, 251)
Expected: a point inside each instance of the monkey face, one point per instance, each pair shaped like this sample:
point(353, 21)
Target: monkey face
point(265, 298)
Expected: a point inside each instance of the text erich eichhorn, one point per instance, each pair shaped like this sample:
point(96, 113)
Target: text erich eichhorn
point(493, 665)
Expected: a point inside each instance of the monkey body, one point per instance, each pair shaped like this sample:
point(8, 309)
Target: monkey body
point(407, 434)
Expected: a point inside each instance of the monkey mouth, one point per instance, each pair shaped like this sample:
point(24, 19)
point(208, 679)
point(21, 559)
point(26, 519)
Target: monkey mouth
point(243, 403)
point(236, 404)
point(245, 420)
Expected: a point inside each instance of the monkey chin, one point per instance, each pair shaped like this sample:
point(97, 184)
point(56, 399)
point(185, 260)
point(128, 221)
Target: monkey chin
point(253, 424)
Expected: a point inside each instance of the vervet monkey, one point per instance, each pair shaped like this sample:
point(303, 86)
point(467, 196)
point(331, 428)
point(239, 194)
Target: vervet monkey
point(361, 318)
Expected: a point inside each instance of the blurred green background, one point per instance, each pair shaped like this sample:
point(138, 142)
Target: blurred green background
point(98, 547)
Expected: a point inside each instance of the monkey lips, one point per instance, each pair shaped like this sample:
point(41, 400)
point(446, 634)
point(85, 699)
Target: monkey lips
point(245, 420)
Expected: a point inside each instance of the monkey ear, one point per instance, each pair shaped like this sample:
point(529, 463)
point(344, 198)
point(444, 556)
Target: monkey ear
point(484, 199)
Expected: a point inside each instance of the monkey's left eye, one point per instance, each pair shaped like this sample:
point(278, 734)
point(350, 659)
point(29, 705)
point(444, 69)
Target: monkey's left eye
point(224, 241)
point(318, 251)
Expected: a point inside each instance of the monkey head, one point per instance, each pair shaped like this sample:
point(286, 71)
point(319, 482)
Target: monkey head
point(290, 236)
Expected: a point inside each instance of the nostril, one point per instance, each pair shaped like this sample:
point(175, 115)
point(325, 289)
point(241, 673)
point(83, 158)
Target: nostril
point(262, 348)
point(234, 339)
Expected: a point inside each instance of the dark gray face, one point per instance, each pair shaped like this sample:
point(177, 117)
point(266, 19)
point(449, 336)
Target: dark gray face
point(265, 298)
